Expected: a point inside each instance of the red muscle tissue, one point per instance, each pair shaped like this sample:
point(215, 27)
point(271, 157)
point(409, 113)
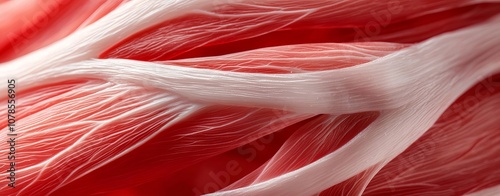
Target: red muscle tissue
point(250, 97)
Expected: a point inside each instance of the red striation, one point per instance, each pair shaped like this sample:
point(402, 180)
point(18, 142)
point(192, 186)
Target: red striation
point(223, 31)
point(84, 136)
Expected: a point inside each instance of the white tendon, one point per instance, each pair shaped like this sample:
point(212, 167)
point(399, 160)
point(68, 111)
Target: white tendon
point(492, 191)
point(395, 129)
point(390, 82)
point(411, 87)
point(89, 42)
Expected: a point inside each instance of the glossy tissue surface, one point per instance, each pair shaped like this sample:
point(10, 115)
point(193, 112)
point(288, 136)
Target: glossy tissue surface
point(250, 97)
